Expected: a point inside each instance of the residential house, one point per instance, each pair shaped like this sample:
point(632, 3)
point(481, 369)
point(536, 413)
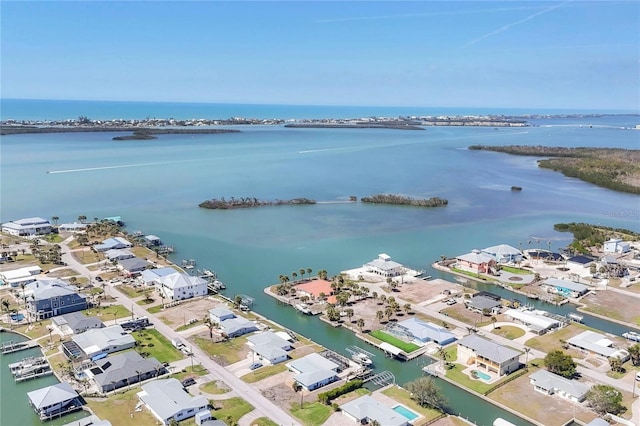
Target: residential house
point(564, 288)
point(475, 262)
point(112, 243)
point(616, 245)
point(366, 410)
point(504, 253)
point(598, 344)
point(180, 286)
point(148, 277)
point(236, 326)
point(548, 383)
point(313, 371)
point(487, 355)
point(92, 420)
point(75, 323)
point(167, 400)
point(119, 254)
point(74, 227)
point(152, 241)
point(384, 266)
point(27, 227)
point(314, 289)
point(483, 301)
point(219, 314)
point(133, 266)
point(17, 277)
point(53, 400)
point(52, 297)
point(97, 342)
point(426, 331)
point(269, 347)
point(124, 369)
point(579, 262)
point(535, 321)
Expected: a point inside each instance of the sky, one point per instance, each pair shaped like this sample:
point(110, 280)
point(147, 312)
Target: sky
point(521, 54)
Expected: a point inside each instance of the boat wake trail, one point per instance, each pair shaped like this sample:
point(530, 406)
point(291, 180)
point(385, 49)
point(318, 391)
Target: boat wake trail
point(121, 166)
point(308, 151)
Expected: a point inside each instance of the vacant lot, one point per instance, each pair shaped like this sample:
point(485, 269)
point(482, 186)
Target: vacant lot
point(420, 290)
point(613, 305)
point(179, 315)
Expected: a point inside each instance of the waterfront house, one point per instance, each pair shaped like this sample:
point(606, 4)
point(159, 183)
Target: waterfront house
point(579, 263)
point(75, 323)
point(564, 288)
point(315, 288)
point(504, 253)
point(152, 241)
point(53, 400)
point(598, 344)
point(180, 286)
point(475, 262)
point(269, 347)
point(236, 326)
point(24, 275)
point(313, 371)
point(92, 420)
point(97, 342)
point(133, 266)
point(74, 227)
point(27, 227)
point(426, 331)
point(535, 321)
point(384, 266)
point(616, 245)
point(487, 355)
point(148, 277)
point(124, 369)
point(219, 314)
point(112, 243)
point(545, 382)
point(119, 254)
point(484, 302)
point(167, 400)
point(366, 410)
point(52, 297)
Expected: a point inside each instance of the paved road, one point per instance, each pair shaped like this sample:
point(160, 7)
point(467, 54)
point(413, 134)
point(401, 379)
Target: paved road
point(261, 404)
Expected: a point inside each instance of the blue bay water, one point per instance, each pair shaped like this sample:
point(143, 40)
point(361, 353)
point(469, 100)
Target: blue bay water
point(157, 185)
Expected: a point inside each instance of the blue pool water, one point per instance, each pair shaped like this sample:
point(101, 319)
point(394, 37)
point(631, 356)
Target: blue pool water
point(405, 412)
point(481, 375)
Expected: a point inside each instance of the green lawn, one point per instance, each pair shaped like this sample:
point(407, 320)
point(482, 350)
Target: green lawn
point(156, 345)
point(550, 341)
point(230, 410)
point(232, 350)
point(107, 313)
point(401, 344)
point(455, 373)
point(155, 309)
point(129, 291)
point(513, 270)
point(311, 414)
point(508, 331)
point(263, 421)
point(198, 370)
point(118, 408)
point(401, 395)
point(213, 388)
point(264, 372)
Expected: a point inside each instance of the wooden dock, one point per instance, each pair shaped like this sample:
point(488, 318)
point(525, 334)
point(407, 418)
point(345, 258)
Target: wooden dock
point(11, 346)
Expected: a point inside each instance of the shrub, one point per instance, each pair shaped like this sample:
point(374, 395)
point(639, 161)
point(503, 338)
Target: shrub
point(326, 397)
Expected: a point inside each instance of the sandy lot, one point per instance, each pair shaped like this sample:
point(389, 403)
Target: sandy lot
point(613, 305)
point(176, 316)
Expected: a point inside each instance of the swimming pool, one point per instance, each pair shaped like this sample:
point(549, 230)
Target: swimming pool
point(405, 412)
point(480, 375)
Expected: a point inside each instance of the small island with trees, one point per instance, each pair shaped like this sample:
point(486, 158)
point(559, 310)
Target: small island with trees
point(400, 200)
point(612, 168)
point(247, 202)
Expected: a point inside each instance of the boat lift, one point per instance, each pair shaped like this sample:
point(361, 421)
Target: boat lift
point(355, 350)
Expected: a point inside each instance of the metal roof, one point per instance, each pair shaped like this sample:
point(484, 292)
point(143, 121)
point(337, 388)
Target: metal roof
point(488, 349)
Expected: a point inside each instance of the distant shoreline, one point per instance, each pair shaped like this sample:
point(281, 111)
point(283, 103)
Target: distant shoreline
point(138, 132)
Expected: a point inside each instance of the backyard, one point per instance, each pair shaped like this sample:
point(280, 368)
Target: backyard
point(120, 409)
point(407, 347)
point(401, 395)
point(154, 344)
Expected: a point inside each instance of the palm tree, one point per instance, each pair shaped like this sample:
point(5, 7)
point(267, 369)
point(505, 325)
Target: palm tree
point(383, 298)
point(210, 325)
point(493, 321)
point(302, 272)
point(407, 307)
point(526, 359)
point(294, 275)
point(82, 218)
point(349, 313)
point(360, 324)
point(374, 295)
point(445, 356)
point(634, 353)
point(309, 271)
point(388, 312)
point(379, 315)
point(55, 220)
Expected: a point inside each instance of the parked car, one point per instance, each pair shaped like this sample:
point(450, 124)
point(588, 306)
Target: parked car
point(255, 366)
point(451, 302)
point(99, 279)
point(188, 382)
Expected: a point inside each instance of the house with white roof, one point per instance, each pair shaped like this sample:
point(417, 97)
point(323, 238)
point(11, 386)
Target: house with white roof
point(27, 227)
point(564, 288)
point(366, 410)
point(99, 341)
point(535, 321)
point(52, 400)
point(269, 347)
point(75, 323)
point(616, 245)
point(236, 326)
point(484, 301)
point(545, 382)
point(488, 355)
point(180, 286)
point(48, 298)
point(133, 266)
point(598, 344)
point(219, 314)
point(313, 371)
point(150, 276)
point(475, 261)
point(24, 275)
point(119, 254)
point(117, 371)
point(73, 227)
point(167, 400)
point(504, 253)
point(384, 266)
point(112, 243)
point(427, 331)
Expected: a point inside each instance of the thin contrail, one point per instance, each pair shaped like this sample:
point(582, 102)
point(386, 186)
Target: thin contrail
point(122, 166)
point(513, 24)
